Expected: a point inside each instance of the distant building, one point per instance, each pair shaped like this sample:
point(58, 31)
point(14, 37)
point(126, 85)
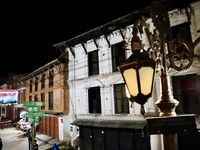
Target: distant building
point(48, 84)
point(11, 111)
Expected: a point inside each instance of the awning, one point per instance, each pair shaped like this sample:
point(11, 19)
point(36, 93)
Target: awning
point(19, 105)
point(127, 124)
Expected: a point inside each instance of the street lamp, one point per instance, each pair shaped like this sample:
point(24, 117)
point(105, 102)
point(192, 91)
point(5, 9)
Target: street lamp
point(138, 71)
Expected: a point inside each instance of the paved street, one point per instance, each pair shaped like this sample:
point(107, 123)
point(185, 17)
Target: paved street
point(14, 140)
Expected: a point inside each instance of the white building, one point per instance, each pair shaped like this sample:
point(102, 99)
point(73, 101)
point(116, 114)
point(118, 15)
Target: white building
point(101, 114)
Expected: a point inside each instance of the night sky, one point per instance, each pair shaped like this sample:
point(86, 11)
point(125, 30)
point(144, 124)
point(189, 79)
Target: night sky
point(29, 29)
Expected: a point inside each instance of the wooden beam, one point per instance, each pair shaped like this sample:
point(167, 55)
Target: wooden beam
point(95, 42)
point(120, 30)
point(83, 45)
point(107, 40)
point(72, 51)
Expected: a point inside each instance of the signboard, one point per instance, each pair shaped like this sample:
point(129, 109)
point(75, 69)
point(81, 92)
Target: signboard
point(33, 120)
point(8, 96)
point(33, 109)
point(172, 124)
point(33, 104)
point(34, 114)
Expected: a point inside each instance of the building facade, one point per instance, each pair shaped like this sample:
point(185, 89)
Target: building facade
point(11, 111)
point(48, 84)
point(102, 118)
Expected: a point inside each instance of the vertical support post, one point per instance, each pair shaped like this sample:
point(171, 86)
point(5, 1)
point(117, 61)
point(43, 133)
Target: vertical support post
point(170, 141)
point(33, 134)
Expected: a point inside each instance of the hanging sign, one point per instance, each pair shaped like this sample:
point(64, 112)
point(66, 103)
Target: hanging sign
point(8, 96)
point(33, 104)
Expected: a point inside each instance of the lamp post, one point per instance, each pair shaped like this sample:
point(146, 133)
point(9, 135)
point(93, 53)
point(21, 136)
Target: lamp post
point(138, 71)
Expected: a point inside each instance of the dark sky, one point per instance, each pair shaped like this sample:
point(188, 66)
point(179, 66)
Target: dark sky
point(29, 29)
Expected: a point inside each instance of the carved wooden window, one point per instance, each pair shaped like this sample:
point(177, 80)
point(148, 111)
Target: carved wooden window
point(30, 98)
point(93, 63)
point(50, 100)
point(94, 99)
point(31, 86)
point(121, 100)
point(182, 31)
point(51, 74)
point(36, 84)
point(35, 97)
point(43, 81)
point(186, 90)
point(43, 100)
point(118, 55)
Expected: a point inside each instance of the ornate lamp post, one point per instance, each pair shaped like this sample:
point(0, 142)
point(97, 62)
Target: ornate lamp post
point(138, 71)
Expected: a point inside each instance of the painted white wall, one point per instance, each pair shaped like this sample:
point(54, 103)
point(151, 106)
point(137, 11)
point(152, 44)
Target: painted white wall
point(156, 142)
point(79, 82)
point(61, 129)
point(65, 127)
